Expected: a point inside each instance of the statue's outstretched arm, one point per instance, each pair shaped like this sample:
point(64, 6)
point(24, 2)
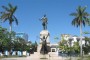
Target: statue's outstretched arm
point(41, 39)
point(47, 35)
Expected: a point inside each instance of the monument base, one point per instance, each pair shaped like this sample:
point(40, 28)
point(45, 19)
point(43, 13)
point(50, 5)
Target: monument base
point(44, 35)
point(46, 56)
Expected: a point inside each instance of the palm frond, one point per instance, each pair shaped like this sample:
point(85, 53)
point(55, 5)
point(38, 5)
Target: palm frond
point(2, 12)
point(15, 19)
point(9, 14)
point(6, 8)
point(87, 20)
point(14, 9)
point(73, 14)
point(83, 22)
point(11, 20)
point(81, 17)
point(75, 22)
point(56, 38)
point(4, 16)
point(86, 32)
point(78, 9)
point(83, 9)
point(10, 5)
point(86, 14)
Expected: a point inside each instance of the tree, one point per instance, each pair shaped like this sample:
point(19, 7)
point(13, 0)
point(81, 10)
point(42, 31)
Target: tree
point(35, 46)
point(76, 47)
point(63, 45)
point(28, 46)
point(8, 14)
point(86, 48)
point(86, 41)
point(4, 39)
point(81, 19)
point(20, 44)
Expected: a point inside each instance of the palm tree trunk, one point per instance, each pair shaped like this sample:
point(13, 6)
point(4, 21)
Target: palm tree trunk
point(10, 38)
point(81, 39)
point(10, 28)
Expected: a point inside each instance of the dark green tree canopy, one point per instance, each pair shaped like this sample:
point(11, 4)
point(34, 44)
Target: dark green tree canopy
point(8, 14)
point(81, 17)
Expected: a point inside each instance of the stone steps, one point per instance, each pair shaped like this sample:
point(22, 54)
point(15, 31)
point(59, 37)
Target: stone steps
point(35, 55)
point(38, 55)
point(53, 54)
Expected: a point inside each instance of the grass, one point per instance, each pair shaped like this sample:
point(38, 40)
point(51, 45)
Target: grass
point(87, 57)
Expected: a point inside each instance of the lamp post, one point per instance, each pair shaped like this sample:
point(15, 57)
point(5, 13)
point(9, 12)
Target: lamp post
point(70, 42)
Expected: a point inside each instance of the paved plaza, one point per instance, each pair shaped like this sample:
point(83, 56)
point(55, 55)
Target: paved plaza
point(29, 58)
point(35, 58)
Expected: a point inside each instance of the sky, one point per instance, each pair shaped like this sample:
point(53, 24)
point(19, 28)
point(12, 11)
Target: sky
point(57, 11)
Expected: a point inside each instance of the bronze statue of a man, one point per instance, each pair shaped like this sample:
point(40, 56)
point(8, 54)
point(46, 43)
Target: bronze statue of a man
point(44, 22)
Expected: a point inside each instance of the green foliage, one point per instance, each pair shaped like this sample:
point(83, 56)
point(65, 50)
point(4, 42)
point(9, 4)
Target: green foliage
point(56, 38)
point(15, 43)
point(4, 39)
point(8, 14)
point(87, 41)
point(86, 32)
point(20, 44)
point(63, 45)
point(76, 47)
point(35, 46)
point(86, 48)
point(81, 17)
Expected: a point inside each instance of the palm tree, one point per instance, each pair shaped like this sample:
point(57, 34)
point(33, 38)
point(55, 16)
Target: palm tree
point(81, 19)
point(8, 14)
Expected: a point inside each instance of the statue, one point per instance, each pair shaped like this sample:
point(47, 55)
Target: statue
point(44, 22)
point(44, 49)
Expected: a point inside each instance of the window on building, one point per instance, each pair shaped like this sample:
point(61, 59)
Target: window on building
point(53, 50)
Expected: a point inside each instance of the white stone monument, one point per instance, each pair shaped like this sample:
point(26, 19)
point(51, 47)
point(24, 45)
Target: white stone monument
point(42, 34)
point(44, 39)
point(46, 34)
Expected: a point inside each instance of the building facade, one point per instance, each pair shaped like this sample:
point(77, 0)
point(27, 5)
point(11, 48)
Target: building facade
point(69, 38)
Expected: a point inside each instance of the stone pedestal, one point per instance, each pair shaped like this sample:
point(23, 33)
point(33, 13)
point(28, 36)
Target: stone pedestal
point(46, 34)
point(46, 56)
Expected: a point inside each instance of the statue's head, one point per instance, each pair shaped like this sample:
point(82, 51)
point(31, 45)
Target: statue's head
point(43, 37)
point(44, 15)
